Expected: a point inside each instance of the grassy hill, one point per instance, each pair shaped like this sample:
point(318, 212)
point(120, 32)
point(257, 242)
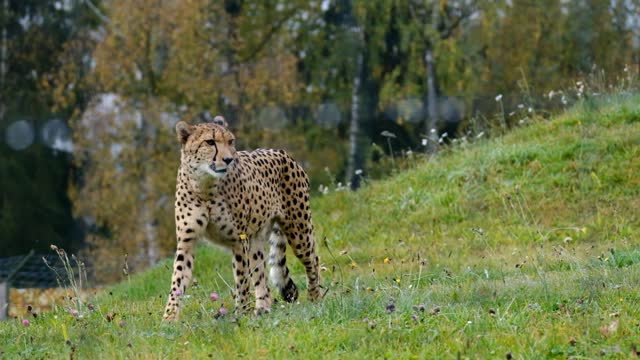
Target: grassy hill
point(522, 246)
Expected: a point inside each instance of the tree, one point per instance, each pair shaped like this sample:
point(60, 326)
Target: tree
point(35, 174)
point(394, 37)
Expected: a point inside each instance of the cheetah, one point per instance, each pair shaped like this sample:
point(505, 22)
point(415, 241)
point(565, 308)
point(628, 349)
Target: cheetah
point(241, 200)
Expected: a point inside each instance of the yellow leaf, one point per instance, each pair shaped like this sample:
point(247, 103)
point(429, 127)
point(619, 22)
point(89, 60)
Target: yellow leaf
point(65, 334)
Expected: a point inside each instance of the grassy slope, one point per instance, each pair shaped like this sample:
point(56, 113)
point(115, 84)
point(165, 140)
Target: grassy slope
point(525, 244)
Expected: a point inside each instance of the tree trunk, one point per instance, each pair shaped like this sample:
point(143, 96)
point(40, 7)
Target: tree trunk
point(147, 221)
point(234, 110)
point(3, 57)
point(432, 103)
point(151, 229)
point(354, 128)
point(4, 300)
point(432, 89)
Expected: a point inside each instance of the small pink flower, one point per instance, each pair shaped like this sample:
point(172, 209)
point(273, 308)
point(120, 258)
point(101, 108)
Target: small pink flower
point(177, 293)
point(25, 322)
point(73, 312)
point(222, 311)
point(214, 296)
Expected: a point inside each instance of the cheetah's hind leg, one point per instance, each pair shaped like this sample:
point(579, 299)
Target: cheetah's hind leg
point(279, 273)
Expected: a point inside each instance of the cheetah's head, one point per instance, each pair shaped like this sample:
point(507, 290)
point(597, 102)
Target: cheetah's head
point(207, 149)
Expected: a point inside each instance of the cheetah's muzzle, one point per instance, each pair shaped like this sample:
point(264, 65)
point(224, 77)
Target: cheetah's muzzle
point(217, 170)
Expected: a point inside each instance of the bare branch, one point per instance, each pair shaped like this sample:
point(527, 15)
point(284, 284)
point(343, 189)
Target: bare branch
point(96, 11)
point(272, 31)
point(464, 13)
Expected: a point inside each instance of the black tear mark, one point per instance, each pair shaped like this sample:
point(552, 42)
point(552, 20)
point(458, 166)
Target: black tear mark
point(215, 145)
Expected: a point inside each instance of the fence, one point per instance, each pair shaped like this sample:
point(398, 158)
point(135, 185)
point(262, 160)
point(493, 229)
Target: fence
point(26, 272)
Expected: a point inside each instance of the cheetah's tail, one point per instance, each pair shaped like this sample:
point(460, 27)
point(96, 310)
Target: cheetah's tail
point(279, 273)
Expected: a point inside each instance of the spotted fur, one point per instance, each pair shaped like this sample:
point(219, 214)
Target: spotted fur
point(241, 200)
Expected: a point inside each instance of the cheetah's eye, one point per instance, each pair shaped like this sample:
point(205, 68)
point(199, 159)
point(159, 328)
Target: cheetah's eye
point(210, 142)
point(231, 142)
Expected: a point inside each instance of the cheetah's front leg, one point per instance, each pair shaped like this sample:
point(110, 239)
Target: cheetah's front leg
point(259, 276)
point(190, 223)
point(241, 274)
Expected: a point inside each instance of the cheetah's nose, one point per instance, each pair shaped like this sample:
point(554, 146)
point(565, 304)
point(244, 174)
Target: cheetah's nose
point(227, 160)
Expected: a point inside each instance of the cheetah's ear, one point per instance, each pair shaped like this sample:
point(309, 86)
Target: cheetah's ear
point(183, 130)
point(219, 120)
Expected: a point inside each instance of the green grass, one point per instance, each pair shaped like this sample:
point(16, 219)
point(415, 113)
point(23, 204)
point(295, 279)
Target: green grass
point(526, 244)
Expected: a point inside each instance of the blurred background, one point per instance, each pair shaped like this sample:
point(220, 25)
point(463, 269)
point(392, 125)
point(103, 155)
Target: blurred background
point(90, 91)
